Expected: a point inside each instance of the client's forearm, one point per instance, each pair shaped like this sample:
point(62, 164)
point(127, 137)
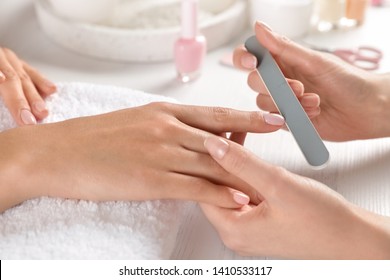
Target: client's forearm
point(13, 162)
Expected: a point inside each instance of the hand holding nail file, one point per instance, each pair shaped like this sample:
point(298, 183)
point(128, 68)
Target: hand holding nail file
point(289, 107)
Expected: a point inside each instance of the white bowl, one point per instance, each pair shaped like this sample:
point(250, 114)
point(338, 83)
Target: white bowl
point(137, 45)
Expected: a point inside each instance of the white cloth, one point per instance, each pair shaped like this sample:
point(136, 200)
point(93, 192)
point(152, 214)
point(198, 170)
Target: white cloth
point(49, 228)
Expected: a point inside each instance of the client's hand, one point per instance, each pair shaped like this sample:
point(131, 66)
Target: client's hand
point(297, 218)
point(149, 152)
point(23, 89)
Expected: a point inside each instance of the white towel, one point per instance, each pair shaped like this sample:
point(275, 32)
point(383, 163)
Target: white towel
point(50, 228)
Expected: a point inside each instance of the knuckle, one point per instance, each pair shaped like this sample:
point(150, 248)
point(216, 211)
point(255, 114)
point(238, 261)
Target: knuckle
point(239, 161)
point(255, 118)
point(20, 103)
point(10, 74)
point(280, 178)
point(197, 188)
point(285, 40)
point(8, 52)
point(221, 114)
point(160, 106)
point(23, 76)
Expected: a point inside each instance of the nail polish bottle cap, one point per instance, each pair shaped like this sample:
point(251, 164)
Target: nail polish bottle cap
point(189, 19)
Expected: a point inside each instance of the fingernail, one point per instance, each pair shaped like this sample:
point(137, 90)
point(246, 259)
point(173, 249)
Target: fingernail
point(50, 85)
point(27, 117)
point(310, 101)
point(263, 25)
point(216, 147)
point(40, 106)
point(241, 198)
point(2, 77)
point(249, 61)
point(274, 119)
point(297, 87)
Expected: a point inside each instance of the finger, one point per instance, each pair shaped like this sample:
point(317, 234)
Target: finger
point(185, 187)
point(2, 77)
point(265, 102)
point(13, 96)
point(243, 60)
point(37, 104)
point(193, 138)
point(217, 119)
point(238, 161)
point(312, 113)
point(203, 166)
point(256, 83)
point(43, 85)
point(217, 216)
point(310, 100)
point(238, 137)
point(285, 51)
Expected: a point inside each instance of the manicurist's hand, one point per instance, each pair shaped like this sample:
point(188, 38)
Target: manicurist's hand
point(344, 102)
point(23, 89)
point(297, 218)
point(154, 151)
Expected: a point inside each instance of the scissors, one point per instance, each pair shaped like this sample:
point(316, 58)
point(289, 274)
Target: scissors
point(363, 57)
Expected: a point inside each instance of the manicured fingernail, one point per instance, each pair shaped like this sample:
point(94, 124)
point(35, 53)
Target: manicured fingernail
point(249, 61)
point(297, 87)
point(50, 85)
point(241, 198)
point(27, 117)
point(40, 106)
point(263, 25)
point(310, 101)
point(216, 147)
point(274, 119)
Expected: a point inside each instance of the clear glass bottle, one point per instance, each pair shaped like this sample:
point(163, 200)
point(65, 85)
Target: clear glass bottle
point(328, 14)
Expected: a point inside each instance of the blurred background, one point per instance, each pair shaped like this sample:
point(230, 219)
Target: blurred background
point(128, 42)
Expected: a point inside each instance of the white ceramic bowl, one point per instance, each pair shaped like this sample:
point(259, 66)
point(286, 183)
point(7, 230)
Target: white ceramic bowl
point(136, 45)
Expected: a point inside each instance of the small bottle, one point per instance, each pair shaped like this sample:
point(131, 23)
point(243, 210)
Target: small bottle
point(190, 48)
point(377, 2)
point(356, 10)
point(328, 14)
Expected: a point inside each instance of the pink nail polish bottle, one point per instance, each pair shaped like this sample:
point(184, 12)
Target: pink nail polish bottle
point(190, 48)
point(377, 2)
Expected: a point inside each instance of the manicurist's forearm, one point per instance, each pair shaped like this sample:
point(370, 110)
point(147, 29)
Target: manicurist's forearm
point(382, 88)
point(372, 236)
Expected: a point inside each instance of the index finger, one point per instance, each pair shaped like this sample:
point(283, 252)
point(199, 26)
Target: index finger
point(219, 119)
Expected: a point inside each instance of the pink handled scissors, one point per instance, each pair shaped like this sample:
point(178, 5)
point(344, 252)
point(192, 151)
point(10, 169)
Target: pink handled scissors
point(364, 57)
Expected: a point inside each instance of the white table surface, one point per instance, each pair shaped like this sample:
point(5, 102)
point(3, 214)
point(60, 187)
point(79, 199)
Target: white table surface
point(358, 170)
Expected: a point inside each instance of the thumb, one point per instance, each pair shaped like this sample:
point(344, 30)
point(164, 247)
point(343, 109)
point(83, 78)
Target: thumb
point(243, 164)
point(285, 51)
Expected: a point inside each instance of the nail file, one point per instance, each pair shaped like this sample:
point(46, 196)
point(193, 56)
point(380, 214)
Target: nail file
point(306, 136)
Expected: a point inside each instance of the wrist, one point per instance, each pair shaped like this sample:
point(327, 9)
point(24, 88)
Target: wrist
point(381, 90)
point(372, 236)
point(16, 168)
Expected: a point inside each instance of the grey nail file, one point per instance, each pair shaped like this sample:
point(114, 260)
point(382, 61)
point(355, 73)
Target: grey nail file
point(306, 136)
